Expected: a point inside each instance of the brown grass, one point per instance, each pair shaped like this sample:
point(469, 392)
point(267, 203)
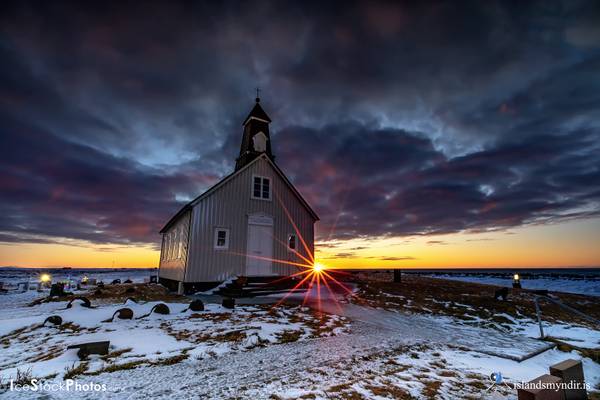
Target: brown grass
point(74, 371)
point(214, 317)
point(119, 367)
point(431, 389)
point(343, 391)
point(594, 354)
point(419, 294)
point(289, 336)
point(390, 391)
point(143, 292)
point(115, 354)
point(171, 360)
point(49, 354)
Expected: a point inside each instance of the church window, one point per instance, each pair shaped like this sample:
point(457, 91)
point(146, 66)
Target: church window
point(292, 242)
point(221, 238)
point(261, 188)
point(180, 243)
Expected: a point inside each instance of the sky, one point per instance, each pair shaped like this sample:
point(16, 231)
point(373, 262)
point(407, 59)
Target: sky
point(424, 134)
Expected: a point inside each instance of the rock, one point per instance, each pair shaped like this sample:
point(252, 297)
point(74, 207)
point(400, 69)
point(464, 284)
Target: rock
point(57, 289)
point(54, 320)
point(196, 305)
point(84, 302)
point(229, 302)
point(121, 313)
point(161, 308)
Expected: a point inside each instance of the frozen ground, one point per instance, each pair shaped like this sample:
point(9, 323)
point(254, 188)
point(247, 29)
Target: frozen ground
point(286, 353)
point(13, 276)
point(590, 287)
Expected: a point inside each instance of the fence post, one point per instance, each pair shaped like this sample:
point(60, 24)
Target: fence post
point(539, 316)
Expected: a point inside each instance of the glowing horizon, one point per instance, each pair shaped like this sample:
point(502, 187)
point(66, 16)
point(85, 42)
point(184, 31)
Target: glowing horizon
point(565, 245)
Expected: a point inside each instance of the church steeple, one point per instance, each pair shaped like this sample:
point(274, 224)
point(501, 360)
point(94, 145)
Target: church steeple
point(256, 139)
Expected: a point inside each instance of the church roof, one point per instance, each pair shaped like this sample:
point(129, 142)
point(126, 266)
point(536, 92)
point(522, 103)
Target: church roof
point(227, 178)
point(257, 112)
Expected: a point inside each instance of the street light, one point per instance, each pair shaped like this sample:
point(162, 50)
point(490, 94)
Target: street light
point(516, 281)
point(45, 280)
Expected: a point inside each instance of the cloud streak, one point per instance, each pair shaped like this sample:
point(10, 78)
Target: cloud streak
point(392, 119)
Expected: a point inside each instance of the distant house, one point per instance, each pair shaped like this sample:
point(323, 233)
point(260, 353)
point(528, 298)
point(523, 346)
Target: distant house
point(240, 225)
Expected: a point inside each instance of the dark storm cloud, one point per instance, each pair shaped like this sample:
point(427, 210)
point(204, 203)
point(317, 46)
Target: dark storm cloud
point(400, 118)
point(65, 190)
point(391, 182)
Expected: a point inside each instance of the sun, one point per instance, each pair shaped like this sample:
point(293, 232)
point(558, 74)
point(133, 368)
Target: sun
point(318, 267)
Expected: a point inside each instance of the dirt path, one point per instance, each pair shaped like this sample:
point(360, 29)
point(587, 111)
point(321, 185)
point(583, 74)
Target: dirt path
point(442, 330)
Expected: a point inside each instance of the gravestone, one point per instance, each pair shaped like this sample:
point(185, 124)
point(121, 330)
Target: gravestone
point(53, 319)
point(228, 302)
point(196, 305)
point(85, 349)
point(571, 371)
point(121, 313)
point(548, 393)
point(57, 289)
point(85, 302)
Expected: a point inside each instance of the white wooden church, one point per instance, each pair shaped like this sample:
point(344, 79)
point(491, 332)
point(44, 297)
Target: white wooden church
point(239, 226)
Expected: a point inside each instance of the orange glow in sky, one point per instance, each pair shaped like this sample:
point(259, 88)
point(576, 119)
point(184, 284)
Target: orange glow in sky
point(573, 243)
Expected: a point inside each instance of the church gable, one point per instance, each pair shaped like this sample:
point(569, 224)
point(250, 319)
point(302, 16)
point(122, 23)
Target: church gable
point(263, 180)
point(253, 211)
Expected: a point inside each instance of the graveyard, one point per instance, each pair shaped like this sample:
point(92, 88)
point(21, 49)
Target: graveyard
point(418, 338)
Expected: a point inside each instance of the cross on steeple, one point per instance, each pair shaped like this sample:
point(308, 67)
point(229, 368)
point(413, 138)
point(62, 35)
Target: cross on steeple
point(258, 95)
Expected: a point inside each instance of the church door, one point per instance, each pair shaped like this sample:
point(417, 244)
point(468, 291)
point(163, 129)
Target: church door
point(260, 246)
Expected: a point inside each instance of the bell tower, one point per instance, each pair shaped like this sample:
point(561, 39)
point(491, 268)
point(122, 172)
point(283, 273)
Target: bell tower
point(256, 139)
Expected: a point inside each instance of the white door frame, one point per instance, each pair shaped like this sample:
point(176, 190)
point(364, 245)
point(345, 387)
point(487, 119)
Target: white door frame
point(259, 224)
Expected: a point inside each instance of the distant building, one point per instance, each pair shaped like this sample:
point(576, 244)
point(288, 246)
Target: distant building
point(241, 224)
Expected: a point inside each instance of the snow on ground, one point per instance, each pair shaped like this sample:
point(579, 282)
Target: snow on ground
point(41, 350)
point(574, 335)
point(13, 276)
point(590, 287)
point(256, 352)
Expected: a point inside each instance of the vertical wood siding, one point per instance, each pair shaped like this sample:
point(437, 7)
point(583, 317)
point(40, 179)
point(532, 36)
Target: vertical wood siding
point(228, 207)
point(175, 268)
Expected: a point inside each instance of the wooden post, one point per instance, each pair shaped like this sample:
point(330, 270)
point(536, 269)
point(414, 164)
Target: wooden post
point(571, 372)
point(397, 276)
point(539, 315)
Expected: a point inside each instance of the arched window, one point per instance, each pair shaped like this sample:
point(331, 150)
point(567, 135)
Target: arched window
point(260, 142)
